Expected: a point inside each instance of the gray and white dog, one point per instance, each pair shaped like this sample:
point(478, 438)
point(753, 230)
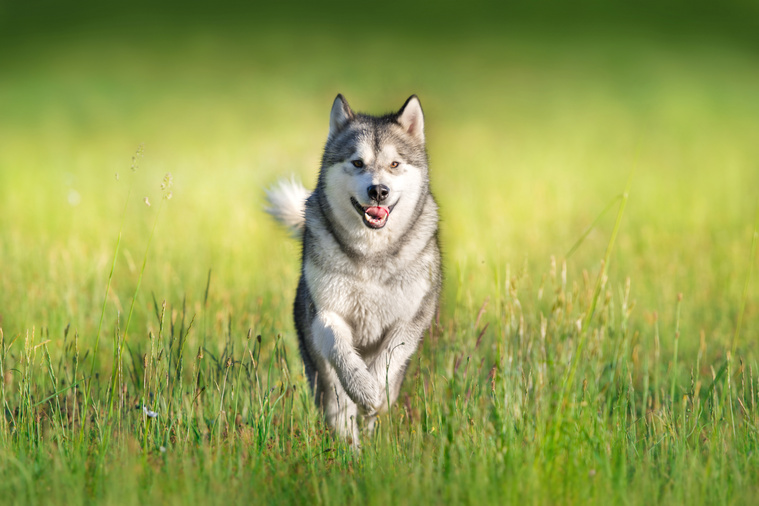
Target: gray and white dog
point(371, 274)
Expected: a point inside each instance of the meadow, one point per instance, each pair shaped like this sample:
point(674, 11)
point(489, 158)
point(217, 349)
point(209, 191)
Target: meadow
point(597, 338)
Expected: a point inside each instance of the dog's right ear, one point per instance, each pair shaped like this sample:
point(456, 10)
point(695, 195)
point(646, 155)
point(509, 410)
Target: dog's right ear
point(340, 116)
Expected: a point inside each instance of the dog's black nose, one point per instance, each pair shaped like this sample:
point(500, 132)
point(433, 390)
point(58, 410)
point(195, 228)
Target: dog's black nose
point(378, 192)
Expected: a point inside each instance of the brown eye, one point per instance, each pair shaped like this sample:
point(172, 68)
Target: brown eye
point(358, 163)
point(393, 165)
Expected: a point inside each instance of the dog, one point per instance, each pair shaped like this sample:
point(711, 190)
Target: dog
point(371, 265)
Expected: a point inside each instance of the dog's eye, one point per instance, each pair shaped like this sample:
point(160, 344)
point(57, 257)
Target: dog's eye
point(358, 163)
point(393, 165)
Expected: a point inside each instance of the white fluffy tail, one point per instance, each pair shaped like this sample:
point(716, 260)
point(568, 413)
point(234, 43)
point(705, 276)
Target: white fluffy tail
point(287, 204)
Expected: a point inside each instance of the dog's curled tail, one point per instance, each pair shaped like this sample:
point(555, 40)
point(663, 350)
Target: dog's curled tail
point(287, 204)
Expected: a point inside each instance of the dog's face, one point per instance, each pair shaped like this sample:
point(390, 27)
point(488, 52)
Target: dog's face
point(375, 168)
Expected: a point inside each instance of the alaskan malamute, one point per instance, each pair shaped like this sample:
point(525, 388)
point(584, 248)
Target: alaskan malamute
point(371, 274)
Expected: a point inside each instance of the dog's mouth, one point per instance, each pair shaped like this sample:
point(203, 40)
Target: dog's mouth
point(373, 216)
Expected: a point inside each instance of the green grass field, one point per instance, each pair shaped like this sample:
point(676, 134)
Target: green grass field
point(625, 372)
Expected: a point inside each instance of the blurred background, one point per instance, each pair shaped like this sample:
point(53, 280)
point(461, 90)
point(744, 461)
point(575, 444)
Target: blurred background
point(536, 115)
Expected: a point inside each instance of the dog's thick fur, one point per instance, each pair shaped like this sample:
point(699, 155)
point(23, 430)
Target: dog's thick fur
point(371, 274)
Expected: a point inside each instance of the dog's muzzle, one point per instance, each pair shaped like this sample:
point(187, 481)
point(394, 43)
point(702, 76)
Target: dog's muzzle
point(373, 216)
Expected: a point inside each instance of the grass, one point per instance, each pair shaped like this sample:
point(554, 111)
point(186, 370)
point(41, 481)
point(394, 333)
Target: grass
point(621, 370)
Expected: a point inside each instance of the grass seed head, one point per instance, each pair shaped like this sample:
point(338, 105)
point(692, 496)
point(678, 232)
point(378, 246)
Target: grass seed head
point(137, 155)
point(166, 184)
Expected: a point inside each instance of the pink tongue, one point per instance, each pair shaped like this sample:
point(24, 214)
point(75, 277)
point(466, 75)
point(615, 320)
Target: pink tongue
point(377, 212)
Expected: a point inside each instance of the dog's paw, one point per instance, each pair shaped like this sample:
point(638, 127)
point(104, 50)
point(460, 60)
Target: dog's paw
point(378, 404)
point(373, 404)
point(365, 391)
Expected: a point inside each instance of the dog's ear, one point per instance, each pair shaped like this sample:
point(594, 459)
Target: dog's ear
point(411, 118)
point(340, 116)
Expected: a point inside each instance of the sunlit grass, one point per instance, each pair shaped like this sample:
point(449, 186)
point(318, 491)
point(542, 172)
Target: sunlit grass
point(529, 140)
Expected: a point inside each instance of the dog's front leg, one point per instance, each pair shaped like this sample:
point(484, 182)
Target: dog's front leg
point(340, 412)
point(334, 341)
point(389, 365)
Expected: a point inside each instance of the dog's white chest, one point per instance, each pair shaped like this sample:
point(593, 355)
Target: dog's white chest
point(369, 301)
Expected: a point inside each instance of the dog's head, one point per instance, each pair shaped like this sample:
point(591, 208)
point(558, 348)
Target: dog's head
point(374, 169)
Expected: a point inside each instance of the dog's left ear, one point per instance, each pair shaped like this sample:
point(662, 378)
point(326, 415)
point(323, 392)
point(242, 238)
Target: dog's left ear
point(411, 118)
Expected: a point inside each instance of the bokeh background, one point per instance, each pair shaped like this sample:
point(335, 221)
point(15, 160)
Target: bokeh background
point(536, 113)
